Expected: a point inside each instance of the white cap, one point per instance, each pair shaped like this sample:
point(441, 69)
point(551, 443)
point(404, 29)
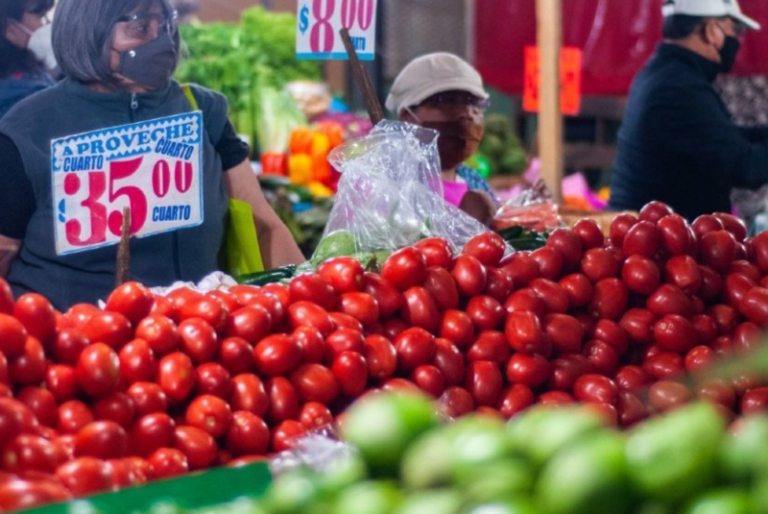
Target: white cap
point(709, 9)
point(431, 74)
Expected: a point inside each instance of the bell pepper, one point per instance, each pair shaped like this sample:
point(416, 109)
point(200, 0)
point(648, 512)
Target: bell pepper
point(300, 169)
point(273, 163)
point(321, 168)
point(321, 145)
point(334, 131)
point(301, 140)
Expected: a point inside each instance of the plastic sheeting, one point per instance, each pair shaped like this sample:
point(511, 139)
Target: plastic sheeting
point(616, 36)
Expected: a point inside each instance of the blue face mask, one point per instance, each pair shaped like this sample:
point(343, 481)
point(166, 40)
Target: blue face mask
point(151, 64)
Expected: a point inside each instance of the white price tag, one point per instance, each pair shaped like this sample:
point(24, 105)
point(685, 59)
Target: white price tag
point(319, 23)
point(154, 168)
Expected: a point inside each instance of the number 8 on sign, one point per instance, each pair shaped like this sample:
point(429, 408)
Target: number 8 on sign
point(319, 22)
point(323, 25)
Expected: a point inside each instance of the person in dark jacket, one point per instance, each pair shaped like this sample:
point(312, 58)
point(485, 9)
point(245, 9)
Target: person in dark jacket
point(677, 142)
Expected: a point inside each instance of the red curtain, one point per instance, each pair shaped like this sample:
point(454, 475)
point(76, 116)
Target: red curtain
point(616, 36)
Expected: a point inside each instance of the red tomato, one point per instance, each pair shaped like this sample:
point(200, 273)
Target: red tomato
point(676, 235)
point(485, 312)
point(723, 346)
point(515, 399)
point(641, 274)
point(733, 225)
point(711, 283)
point(310, 342)
point(405, 268)
point(610, 299)
point(530, 370)
point(638, 325)
point(29, 368)
point(314, 415)
point(484, 382)
point(351, 372)
point(37, 315)
point(236, 355)
point(132, 300)
point(163, 306)
point(315, 383)
point(664, 365)
point(436, 251)
point(755, 401)
point(343, 339)
point(13, 336)
point(85, 476)
point(429, 379)
point(61, 381)
point(279, 292)
point(248, 394)
point(168, 462)
point(760, 251)
point(213, 379)
point(273, 305)
point(209, 413)
point(674, 333)
point(117, 407)
point(180, 297)
point(489, 345)
point(67, 345)
point(415, 346)
point(420, 310)
point(110, 328)
point(565, 332)
point(361, 306)
point(487, 247)
point(589, 232)
point(602, 355)
point(277, 354)
point(619, 228)
point(313, 288)
point(706, 223)
point(555, 298)
point(747, 269)
point(717, 249)
point(285, 435)
point(228, 300)
point(633, 379)
point(556, 398)
point(470, 275)
point(754, 306)
point(152, 432)
point(308, 314)
point(499, 285)
point(568, 244)
point(456, 402)
point(655, 211)
point(393, 327)
point(523, 268)
point(197, 445)
point(176, 376)
point(699, 358)
point(667, 395)
point(630, 409)
point(341, 320)
point(249, 323)
point(247, 435)
point(385, 293)
point(747, 338)
point(526, 299)
point(684, 272)
point(148, 397)
point(725, 317)
point(28, 452)
point(598, 264)
point(549, 262)
point(578, 288)
point(566, 369)
point(735, 287)
point(380, 356)
point(596, 388)
point(198, 340)
point(137, 362)
point(450, 361)
point(283, 400)
point(643, 238)
point(457, 327)
point(442, 288)
point(103, 440)
point(525, 334)
point(128, 472)
point(669, 299)
point(717, 392)
point(160, 332)
point(98, 370)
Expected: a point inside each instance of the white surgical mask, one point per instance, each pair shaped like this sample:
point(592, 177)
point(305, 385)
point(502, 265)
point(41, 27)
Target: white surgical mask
point(41, 44)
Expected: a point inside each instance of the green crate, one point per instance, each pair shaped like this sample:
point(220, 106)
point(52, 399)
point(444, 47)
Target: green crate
point(191, 492)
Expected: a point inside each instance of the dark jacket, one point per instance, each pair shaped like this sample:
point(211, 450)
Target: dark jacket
point(18, 86)
point(677, 142)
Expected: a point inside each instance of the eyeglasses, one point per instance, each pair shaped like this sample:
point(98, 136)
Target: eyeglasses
point(147, 25)
point(456, 99)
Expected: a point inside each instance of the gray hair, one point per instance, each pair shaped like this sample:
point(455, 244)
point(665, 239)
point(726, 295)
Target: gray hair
point(82, 36)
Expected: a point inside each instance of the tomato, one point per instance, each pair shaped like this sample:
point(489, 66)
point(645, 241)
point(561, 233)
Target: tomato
point(555, 298)
point(29, 368)
point(213, 379)
point(85, 476)
point(633, 379)
point(747, 269)
point(755, 401)
point(525, 334)
point(449, 360)
point(314, 288)
point(209, 413)
point(159, 332)
point(596, 388)
point(705, 327)
point(754, 306)
point(523, 268)
point(168, 462)
point(669, 299)
point(630, 409)
point(611, 333)
point(760, 251)
point(285, 435)
point(677, 237)
point(655, 211)
point(706, 223)
point(277, 354)
point(470, 275)
point(565, 332)
point(436, 251)
point(578, 288)
point(128, 472)
point(664, 365)
point(103, 440)
point(61, 381)
point(556, 398)
point(566, 369)
point(489, 345)
point(163, 306)
point(734, 225)
point(341, 320)
point(314, 415)
point(147, 397)
point(315, 383)
point(717, 249)
point(198, 446)
point(308, 314)
point(442, 288)
point(699, 358)
point(515, 399)
point(568, 244)
point(343, 339)
point(643, 238)
point(717, 392)
point(641, 274)
point(385, 293)
point(310, 342)
point(110, 328)
point(137, 362)
point(248, 394)
point(589, 232)
point(610, 299)
point(280, 293)
point(228, 300)
point(176, 376)
point(98, 370)
point(723, 346)
point(236, 355)
point(674, 333)
point(393, 327)
point(247, 435)
point(602, 355)
point(415, 346)
point(726, 318)
point(429, 379)
point(549, 262)
point(485, 312)
point(380, 356)
point(181, 296)
point(351, 372)
point(598, 264)
point(361, 306)
point(525, 299)
point(132, 300)
point(117, 407)
point(420, 310)
point(456, 402)
point(487, 247)
point(250, 323)
point(198, 340)
point(638, 325)
point(28, 452)
point(37, 315)
point(405, 268)
point(273, 305)
point(747, 338)
point(152, 432)
point(735, 287)
point(667, 395)
point(711, 283)
point(457, 327)
point(68, 345)
point(283, 400)
point(530, 370)
point(499, 284)
point(13, 336)
point(619, 228)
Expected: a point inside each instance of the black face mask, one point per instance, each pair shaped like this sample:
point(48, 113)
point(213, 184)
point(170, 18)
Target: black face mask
point(151, 64)
point(728, 53)
point(457, 142)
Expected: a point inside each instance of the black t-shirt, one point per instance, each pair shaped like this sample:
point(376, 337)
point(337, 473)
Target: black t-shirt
point(18, 198)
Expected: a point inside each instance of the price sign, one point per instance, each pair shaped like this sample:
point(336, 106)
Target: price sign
point(154, 168)
point(570, 80)
point(319, 23)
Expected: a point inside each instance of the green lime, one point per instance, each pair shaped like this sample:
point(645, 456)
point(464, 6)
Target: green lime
point(335, 244)
point(725, 501)
point(435, 501)
point(372, 497)
point(744, 453)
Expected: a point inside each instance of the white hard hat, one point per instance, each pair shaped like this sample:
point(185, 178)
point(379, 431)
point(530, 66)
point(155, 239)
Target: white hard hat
point(431, 74)
point(709, 9)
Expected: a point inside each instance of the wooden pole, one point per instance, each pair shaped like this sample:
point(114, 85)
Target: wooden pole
point(123, 271)
point(372, 104)
point(550, 127)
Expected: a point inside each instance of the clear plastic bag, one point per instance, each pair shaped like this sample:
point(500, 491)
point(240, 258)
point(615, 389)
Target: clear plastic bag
point(390, 194)
point(534, 209)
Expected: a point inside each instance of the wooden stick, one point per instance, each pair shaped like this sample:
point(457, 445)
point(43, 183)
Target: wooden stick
point(123, 272)
point(372, 104)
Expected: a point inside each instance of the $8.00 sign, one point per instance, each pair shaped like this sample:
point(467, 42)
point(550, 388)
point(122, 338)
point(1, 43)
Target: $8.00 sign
point(153, 168)
point(319, 23)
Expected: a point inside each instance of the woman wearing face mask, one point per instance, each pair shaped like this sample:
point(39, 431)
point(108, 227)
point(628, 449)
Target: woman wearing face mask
point(26, 56)
point(442, 92)
point(117, 58)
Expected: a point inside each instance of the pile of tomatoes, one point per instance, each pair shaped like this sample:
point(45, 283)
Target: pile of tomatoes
point(154, 386)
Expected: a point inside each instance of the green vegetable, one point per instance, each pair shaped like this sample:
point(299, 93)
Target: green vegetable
point(335, 244)
point(373, 497)
point(726, 501)
point(267, 277)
